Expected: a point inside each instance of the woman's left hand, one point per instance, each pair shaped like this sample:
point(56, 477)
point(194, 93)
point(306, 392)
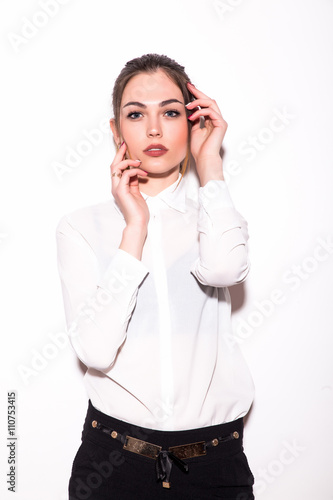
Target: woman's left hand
point(206, 142)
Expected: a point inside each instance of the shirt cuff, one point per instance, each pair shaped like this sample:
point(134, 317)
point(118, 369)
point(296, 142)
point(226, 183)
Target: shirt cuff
point(123, 276)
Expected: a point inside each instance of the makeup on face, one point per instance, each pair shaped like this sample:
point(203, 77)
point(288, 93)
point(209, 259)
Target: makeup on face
point(153, 121)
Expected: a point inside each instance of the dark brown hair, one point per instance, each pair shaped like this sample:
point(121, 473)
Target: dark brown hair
point(150, 63)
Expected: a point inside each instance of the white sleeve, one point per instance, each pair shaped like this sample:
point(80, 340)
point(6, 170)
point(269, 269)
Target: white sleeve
point(223, 236)
point(97, 308)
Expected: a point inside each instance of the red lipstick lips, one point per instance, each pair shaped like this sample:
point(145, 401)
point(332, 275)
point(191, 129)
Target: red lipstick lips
point(155, 150)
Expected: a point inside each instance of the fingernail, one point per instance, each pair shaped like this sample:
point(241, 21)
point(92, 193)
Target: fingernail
point(191, 84)
point(188, 104)
point(190, 115)
point(138, 160)
point(122, 143)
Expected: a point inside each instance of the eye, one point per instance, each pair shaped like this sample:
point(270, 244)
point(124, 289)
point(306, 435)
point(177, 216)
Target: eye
point(174, 113)
point(133, 115)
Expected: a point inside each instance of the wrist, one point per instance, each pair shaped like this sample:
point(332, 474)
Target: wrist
point(210, 169)
point(210, 177)
point(133, 240)
point(136, 229)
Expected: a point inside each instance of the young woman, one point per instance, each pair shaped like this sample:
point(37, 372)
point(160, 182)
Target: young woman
point(144, 279)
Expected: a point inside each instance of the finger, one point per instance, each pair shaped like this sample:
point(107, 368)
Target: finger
point(196, 92)
point(124, 181)
point(123, 165)
point(216, 118)
point(118, 173)
point(120, 152)
point(120, 155)
point(129, 178)
point(131, 173)
point(205, 103)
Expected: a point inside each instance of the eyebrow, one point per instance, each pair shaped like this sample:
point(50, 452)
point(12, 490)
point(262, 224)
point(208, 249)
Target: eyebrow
point(161, 104)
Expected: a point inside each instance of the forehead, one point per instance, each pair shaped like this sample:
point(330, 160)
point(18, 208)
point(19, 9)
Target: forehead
point(154, 87)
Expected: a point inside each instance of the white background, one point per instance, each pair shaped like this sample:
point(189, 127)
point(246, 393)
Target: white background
point(257, 59)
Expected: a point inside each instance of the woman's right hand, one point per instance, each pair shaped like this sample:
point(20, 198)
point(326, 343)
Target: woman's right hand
point(125, 189)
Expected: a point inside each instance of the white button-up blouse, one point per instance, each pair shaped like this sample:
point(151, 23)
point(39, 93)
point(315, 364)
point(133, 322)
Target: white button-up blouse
point(155, 334)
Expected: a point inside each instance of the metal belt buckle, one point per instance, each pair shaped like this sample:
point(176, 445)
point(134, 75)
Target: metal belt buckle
point(141, 447)
point(189, 450)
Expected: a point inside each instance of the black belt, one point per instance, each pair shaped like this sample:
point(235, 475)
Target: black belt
point(164, 458)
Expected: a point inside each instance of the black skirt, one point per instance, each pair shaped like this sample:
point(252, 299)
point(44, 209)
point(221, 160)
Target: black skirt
point(103, 469)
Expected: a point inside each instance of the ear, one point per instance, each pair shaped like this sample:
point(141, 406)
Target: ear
point(116, 136)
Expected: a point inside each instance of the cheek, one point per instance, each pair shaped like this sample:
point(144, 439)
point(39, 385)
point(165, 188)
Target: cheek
point(129, 135)
point(181, 136)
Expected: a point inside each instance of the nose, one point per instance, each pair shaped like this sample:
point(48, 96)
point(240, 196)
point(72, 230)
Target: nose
point(154, 128)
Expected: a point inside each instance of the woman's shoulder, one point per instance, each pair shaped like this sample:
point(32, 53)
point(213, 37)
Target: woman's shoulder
point(87, 216)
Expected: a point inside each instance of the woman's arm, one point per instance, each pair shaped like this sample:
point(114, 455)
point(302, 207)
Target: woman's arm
point(223, 233)
point(223, 236)
point(97, 308)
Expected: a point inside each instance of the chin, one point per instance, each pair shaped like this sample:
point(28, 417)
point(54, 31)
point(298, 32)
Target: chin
point(158, 166)
point(160, 171)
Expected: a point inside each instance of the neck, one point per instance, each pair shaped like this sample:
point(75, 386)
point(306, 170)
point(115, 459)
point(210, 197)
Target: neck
point(153, 184)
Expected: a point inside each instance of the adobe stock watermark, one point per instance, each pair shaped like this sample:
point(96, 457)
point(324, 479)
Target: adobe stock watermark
point(254, 144)
point(223, 7)
point(31, 27)
point(115, 284)
point(293, 277)
point(87, 310)
point(104, 469)
point(265, 476)
point(94, 137)
point(85, 146)
point(101, 471)
point(42, 357)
